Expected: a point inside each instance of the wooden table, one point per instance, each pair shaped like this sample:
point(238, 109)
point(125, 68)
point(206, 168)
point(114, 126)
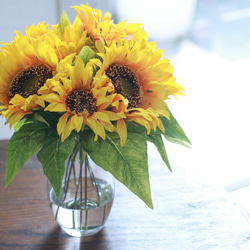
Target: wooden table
point(188, 214)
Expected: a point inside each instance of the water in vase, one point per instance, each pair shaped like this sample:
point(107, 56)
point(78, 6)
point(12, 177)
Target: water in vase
point(71, 213)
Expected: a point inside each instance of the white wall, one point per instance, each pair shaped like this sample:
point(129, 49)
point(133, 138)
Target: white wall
point(16, 15)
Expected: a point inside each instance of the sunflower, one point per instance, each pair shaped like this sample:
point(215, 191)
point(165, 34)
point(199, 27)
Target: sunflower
point(81, 98)
point(138, 73)
point(36, 31)
point(102, 28)
point(32, 32)
point(25, 65)
point(71, 39)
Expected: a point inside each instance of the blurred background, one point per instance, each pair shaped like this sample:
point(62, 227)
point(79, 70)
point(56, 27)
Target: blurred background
point(208, 43)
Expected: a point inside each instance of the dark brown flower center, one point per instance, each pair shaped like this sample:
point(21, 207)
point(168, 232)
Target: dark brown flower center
point(29, 81)
point(80, 101)
point(126, 82)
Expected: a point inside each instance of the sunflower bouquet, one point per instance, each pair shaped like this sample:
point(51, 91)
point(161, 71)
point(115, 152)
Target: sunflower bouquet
point(100, 82)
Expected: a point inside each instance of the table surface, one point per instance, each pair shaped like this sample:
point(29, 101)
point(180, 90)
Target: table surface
point(188, 214)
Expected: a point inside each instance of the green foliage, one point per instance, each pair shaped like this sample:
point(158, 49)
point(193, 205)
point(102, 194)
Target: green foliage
point(23, 144)
point(52, 156)
point(47, 117)
point(34, 133)
point(128, 164)
point(174, 133)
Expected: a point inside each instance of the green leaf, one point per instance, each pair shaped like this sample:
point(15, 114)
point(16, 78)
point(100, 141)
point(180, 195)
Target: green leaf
point(86, 54)
point(40, 118)
point(64, 21)
point(20, 123)
point(128, 164)
point(49, 118)
point(52, 156)
point(23, 144)
point(158, 142)
point(28, 119)
point(173, 131)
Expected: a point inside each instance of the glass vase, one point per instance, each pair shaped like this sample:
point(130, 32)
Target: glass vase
point(86, 196)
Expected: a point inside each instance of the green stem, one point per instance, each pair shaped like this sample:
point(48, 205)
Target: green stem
point(94, 183)
point(80, 181)
point(104, 214)
point(69, 168)
point(70, 165)
point(86, 193)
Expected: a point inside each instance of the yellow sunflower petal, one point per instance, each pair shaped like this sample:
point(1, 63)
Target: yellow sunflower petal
point(96, 127)
point(122, 131)
point(64, 127)
point(77, 122)
point(55, 107)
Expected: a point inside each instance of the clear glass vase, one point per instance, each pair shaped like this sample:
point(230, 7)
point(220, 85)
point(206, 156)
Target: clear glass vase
point(86, 197)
